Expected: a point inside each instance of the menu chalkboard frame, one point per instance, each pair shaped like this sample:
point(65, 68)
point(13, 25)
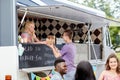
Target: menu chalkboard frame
point(36, 55)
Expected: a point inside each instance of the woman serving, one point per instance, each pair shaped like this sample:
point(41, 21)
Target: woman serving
point(28, 34)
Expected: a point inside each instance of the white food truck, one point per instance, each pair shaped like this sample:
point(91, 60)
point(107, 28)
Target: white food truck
point(90, 27)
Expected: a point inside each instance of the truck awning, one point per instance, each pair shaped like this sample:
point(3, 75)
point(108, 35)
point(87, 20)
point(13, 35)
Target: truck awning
point(66, 10)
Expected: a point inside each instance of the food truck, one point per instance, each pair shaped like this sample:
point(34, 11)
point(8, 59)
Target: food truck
point(91, 36)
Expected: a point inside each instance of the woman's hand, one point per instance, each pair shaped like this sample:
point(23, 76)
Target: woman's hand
point(33, 35)
point(50, 45)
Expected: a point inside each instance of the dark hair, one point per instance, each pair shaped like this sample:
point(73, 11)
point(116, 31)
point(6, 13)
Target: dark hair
point(58, 60)
point(69, 33)
point(107, 62)
point(84, 71)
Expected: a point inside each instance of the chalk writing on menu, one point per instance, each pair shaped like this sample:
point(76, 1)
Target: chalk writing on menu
point(36, 55)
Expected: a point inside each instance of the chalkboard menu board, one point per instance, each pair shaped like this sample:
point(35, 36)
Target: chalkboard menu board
point(36, 55)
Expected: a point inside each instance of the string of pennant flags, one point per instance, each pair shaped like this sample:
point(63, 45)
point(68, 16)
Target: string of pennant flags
point(36, 77)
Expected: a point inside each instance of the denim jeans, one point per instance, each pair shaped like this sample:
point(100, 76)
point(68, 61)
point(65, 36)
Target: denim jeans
point(70, 75)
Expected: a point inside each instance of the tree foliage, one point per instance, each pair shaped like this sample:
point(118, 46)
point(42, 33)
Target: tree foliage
point(110, 7)
point(112, 10)
point(100, 5)
point(115, 36)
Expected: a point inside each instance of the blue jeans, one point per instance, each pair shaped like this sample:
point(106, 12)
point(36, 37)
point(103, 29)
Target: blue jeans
point(70, 75)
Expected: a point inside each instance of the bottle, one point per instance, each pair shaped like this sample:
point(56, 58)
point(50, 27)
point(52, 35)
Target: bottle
point(8, 77)
point(20, 40)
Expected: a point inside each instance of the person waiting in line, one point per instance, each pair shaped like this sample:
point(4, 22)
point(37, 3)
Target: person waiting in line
point(60, 69)
point(28, 35)
point(67, 52)
point(84, 71)
point(112, 71)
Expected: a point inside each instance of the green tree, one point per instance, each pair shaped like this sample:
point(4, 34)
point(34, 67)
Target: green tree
point(115, 37)
point(110, 7)
point(112, 10)
point(100, 5)
point(75, 1)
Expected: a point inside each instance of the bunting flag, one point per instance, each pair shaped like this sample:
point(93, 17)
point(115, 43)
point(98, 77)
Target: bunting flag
point(47, 78)
point(94, 69)
point(50, 75)
point(43, 78)
point(37, 78)
point(53, 72)
point(32, 76)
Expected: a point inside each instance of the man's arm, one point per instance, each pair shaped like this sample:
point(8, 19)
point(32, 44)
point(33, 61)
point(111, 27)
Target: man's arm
point(55, 51)
point(35, 38)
